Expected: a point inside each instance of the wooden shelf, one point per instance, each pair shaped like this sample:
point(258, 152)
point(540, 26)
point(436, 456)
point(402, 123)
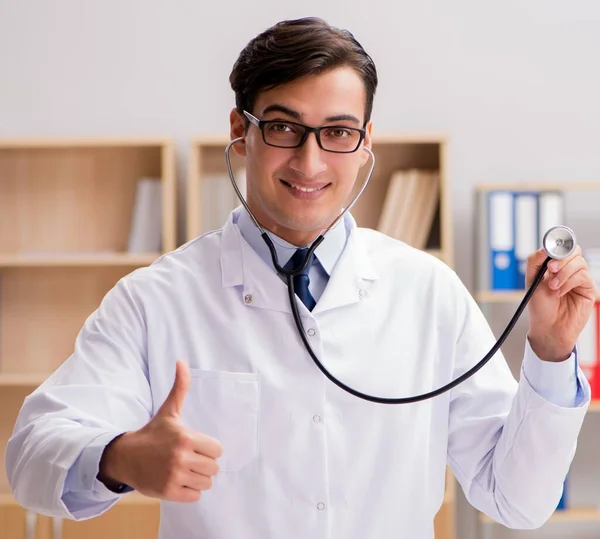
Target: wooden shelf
point(581, 514)
point(22, 380)
point(67, 207)
point(82, 142)
point(77, 260)
point(499, 296)
point(527, 186)
point(133, 498)
point(502, 296)
point(78, 194)
point(132, 517)
point(594, 406)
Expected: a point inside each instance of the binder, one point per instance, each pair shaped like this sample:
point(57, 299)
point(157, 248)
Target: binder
point(562, 503)
point(551, 212)
point(482, 245)
point(501, 227)
point(145, 235)
point(526, 232)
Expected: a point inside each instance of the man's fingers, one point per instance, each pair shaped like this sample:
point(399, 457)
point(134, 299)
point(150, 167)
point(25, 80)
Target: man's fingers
point(203, 465)
point(206, 445)
point(566, 271)
point(173, 404)
point(186, 495)
point(582, 283)
point(537, 258)
point(196, 481)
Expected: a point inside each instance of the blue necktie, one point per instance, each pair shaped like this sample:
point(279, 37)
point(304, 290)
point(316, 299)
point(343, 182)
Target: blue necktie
point(302, 281)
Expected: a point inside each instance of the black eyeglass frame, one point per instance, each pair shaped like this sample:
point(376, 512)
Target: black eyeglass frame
point(307, 130)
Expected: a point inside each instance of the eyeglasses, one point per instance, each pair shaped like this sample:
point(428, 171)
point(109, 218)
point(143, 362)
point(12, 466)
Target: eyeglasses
point(331, 138)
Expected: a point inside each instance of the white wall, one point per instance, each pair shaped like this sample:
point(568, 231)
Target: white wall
point(514, 85)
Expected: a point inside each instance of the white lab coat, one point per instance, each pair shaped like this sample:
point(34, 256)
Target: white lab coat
point(302, 458)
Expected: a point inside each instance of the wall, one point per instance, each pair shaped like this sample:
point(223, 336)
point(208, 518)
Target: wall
point(513, 84)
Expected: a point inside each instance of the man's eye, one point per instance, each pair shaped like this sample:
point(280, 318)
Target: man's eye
point(280, 127)
point(339, 133)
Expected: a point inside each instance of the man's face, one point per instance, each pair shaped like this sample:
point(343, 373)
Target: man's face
point(297, 192)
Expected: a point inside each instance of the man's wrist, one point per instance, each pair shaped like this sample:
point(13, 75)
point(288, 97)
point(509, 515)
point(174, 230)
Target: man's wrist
point(547, 350)
point(113, 468)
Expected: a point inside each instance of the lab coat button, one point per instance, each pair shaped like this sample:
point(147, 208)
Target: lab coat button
point(320, 506)
point(316, 418)
point(311, 332)
point(362, 293)
point(248, 298)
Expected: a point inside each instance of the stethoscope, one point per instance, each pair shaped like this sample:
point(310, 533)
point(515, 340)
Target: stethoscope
point(558, 242)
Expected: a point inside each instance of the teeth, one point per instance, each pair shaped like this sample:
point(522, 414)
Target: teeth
point(305, 189)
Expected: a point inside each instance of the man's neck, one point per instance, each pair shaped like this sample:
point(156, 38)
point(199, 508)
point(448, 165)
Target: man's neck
point(327, 252)
point(298, 238)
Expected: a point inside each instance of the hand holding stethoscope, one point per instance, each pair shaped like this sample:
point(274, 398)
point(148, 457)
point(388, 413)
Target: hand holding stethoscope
point(557, 315)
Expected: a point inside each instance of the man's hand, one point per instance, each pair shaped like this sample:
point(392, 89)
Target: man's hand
point(164, 459)
point(561, 305)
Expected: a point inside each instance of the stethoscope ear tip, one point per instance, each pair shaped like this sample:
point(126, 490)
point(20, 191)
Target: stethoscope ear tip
point(559, 242)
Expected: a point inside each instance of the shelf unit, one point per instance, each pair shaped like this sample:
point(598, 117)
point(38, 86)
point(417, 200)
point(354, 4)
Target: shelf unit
point(506, 301)
point(66, 209)
point(392, 152)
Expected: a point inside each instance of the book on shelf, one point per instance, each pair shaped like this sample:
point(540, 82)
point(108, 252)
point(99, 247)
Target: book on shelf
point(409, 207)
point(145, 234)
point(218, 197)
point(510, 225)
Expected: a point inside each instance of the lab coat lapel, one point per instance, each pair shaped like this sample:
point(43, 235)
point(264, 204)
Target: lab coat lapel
point(261, 287)
point(259, 284)
point(352, 276)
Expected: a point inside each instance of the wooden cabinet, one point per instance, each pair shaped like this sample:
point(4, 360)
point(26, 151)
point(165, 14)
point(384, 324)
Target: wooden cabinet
point(134, 518)
point(66, 215)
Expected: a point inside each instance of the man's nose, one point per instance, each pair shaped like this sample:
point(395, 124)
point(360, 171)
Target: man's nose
point(309, 159)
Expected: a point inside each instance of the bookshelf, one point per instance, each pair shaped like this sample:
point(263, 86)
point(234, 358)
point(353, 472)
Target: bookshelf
point(67, 208)
point(499, 305)
point(393, 152)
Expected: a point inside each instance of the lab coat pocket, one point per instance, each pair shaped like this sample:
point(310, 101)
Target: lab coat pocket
point(225, 405)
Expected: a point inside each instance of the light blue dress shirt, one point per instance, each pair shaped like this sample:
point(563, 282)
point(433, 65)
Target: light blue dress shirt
point(555, 382)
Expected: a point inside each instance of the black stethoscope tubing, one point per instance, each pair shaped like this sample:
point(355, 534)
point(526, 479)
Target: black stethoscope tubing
point(290, 274)
point(393, 400)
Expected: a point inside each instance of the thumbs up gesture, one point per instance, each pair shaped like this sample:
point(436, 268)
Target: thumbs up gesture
point(164, 459)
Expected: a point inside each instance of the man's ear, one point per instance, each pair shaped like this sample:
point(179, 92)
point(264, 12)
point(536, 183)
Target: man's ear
point(367, 143)
point(237, 128)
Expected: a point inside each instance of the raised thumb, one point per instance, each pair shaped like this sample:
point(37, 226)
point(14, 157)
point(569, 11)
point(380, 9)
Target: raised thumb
point(174, 402)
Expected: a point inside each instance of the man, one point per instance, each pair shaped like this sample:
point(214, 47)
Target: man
point(191, 384)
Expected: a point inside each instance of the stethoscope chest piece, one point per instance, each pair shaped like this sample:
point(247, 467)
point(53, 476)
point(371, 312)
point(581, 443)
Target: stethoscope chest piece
point(559, 242)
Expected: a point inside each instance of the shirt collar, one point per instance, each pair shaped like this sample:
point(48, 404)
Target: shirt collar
point(327, 253)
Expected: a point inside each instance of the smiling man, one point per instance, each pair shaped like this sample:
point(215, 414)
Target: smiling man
point(190, 383)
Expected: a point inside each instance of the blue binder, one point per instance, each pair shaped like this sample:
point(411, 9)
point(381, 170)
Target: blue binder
point(501, 234)
point(526, 231)
point(562, 503)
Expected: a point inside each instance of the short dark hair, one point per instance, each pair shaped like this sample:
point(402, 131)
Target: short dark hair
point(292, 49)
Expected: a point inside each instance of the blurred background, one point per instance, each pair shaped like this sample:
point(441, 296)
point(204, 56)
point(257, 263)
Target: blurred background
point(98, 99)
